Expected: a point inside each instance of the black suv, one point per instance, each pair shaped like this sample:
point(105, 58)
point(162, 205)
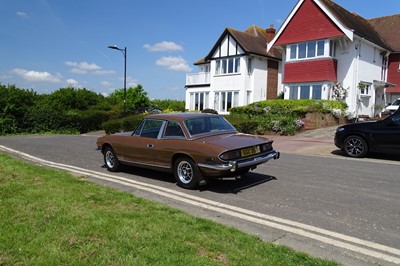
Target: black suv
point(358, 139)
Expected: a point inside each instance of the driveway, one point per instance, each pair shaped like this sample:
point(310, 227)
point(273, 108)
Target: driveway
point(313, 142)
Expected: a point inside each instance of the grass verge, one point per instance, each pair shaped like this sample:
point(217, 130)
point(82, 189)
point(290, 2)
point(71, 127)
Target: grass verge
point(49, 217)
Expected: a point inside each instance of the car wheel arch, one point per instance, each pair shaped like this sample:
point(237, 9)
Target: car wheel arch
point(180, 155)
point(365, 145)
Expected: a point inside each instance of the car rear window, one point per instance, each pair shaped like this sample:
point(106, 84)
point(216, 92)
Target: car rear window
point(207, 124)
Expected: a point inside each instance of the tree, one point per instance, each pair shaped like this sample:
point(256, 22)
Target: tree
point(71, 98)
point(135, 98)
point(174, 105)
point(14, 105)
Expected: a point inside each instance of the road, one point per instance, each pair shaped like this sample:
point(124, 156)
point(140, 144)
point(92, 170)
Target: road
point(329, 206)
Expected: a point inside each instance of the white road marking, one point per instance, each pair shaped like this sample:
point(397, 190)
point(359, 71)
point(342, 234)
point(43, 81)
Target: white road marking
point(329, 237)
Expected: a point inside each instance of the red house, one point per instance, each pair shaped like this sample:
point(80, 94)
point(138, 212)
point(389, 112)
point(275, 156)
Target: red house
point(331, 53)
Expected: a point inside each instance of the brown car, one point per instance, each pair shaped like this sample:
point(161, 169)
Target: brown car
point(194, 146)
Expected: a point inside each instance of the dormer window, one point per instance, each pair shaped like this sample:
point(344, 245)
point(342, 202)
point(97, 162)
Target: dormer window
point(306, 50)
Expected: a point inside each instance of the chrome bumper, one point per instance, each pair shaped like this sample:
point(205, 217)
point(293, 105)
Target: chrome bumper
point(233, 165)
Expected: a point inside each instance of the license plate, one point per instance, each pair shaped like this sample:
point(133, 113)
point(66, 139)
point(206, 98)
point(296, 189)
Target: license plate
point(250, 151)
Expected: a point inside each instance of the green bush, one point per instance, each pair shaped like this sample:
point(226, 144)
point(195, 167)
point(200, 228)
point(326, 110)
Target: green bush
point(112, 126)
point(128, 123)
point(278, 116)
point(92, 120)
point(289, 106)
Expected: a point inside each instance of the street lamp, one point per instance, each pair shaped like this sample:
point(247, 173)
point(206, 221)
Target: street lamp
point(124, 52)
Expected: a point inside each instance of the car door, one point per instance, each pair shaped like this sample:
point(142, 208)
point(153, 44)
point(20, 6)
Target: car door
point(139, 148)
point(387, 134)
point(173, 139)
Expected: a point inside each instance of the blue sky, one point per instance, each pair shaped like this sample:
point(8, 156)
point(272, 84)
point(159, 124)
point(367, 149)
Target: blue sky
point(50, 44)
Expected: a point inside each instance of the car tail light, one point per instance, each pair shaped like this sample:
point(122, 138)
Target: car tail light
point(266, 147)
point(230, 155)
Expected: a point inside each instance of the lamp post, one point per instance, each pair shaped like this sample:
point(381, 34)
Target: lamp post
point(124, 53)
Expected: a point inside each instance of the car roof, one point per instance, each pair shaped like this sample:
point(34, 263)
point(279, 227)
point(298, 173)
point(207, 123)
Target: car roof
point(179, 116)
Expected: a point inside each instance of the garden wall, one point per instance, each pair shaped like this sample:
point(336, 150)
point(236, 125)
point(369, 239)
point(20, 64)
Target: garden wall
point(317, 120)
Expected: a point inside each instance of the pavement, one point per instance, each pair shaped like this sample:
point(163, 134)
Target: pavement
point(313, 142)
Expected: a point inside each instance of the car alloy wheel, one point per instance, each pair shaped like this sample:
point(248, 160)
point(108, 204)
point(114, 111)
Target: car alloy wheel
point(111, 160)
point(355, 146)
point(186, 173)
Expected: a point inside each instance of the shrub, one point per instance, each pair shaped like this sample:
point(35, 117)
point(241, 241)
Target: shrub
point(128, 123)
point(92, 120)
point(112, 126)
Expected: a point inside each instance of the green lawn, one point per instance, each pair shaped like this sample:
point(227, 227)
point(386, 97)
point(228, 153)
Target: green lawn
point(48, 217)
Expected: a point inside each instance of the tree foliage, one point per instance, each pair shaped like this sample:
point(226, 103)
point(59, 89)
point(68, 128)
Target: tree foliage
point(174, 105)
point(135, 98)
point(14, 104)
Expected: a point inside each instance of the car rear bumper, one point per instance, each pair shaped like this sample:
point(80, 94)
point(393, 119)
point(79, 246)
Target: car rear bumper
point(232, 166)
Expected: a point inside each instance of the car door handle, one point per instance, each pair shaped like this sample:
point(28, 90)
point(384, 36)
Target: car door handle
point(150, 145)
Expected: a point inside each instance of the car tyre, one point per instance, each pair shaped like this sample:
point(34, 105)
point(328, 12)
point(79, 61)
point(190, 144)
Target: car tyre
point(111, 160)
point(186, 173)
point(355, 146)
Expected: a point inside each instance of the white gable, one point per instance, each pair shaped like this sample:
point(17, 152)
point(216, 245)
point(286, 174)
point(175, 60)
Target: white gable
point(227, 47)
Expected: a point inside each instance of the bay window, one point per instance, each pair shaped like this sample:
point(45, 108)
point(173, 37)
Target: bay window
point(304, 50)
point(225, 100)
point(305, 91)
point(199, 101)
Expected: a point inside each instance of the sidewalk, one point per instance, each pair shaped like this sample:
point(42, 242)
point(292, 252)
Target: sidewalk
point(317, 142)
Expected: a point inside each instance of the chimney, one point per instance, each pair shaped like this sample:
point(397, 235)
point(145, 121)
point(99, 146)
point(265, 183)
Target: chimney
point(270, 33)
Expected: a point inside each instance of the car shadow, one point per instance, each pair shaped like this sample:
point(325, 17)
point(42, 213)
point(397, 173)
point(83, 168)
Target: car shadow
point(146, 173)
point(372, 155)
point(235, 186)
point(223, 186)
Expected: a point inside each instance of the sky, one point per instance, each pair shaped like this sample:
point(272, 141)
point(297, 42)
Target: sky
point(46, 45)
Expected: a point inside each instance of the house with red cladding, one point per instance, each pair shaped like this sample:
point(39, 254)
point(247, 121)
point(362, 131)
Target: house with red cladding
point(331, 53)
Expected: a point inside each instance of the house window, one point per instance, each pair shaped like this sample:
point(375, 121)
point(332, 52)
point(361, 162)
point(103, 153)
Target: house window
point(227, 66)
point(293, 92)
point(365, 88)
point(249, 66)
point(225, 100)
point(305, 91)
point(248, 97)
point(305, 50)
point(332, 49)
point(316, 92)
point(199, 101)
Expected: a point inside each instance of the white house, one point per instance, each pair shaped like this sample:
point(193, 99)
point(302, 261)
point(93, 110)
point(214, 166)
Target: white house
point(236, 72)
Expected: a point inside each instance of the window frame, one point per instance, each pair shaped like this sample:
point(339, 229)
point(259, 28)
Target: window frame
point(227, 65)
point(298, 91)
point(302, 50)
point(225, 100)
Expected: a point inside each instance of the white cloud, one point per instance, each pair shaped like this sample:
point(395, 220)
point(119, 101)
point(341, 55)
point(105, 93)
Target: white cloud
point(32, 75)
point(131, 82)
point(22, 14)
point(73, 83)
point(174, 63)
point(163, 46)
point(85, 67)
point(106, 84)
point(103, 72)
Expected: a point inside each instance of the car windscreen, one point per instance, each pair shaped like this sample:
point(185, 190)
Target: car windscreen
point(397, 102)
point(207, 124)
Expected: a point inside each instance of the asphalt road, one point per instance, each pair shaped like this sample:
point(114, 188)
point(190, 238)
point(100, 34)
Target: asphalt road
point(326, 205)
